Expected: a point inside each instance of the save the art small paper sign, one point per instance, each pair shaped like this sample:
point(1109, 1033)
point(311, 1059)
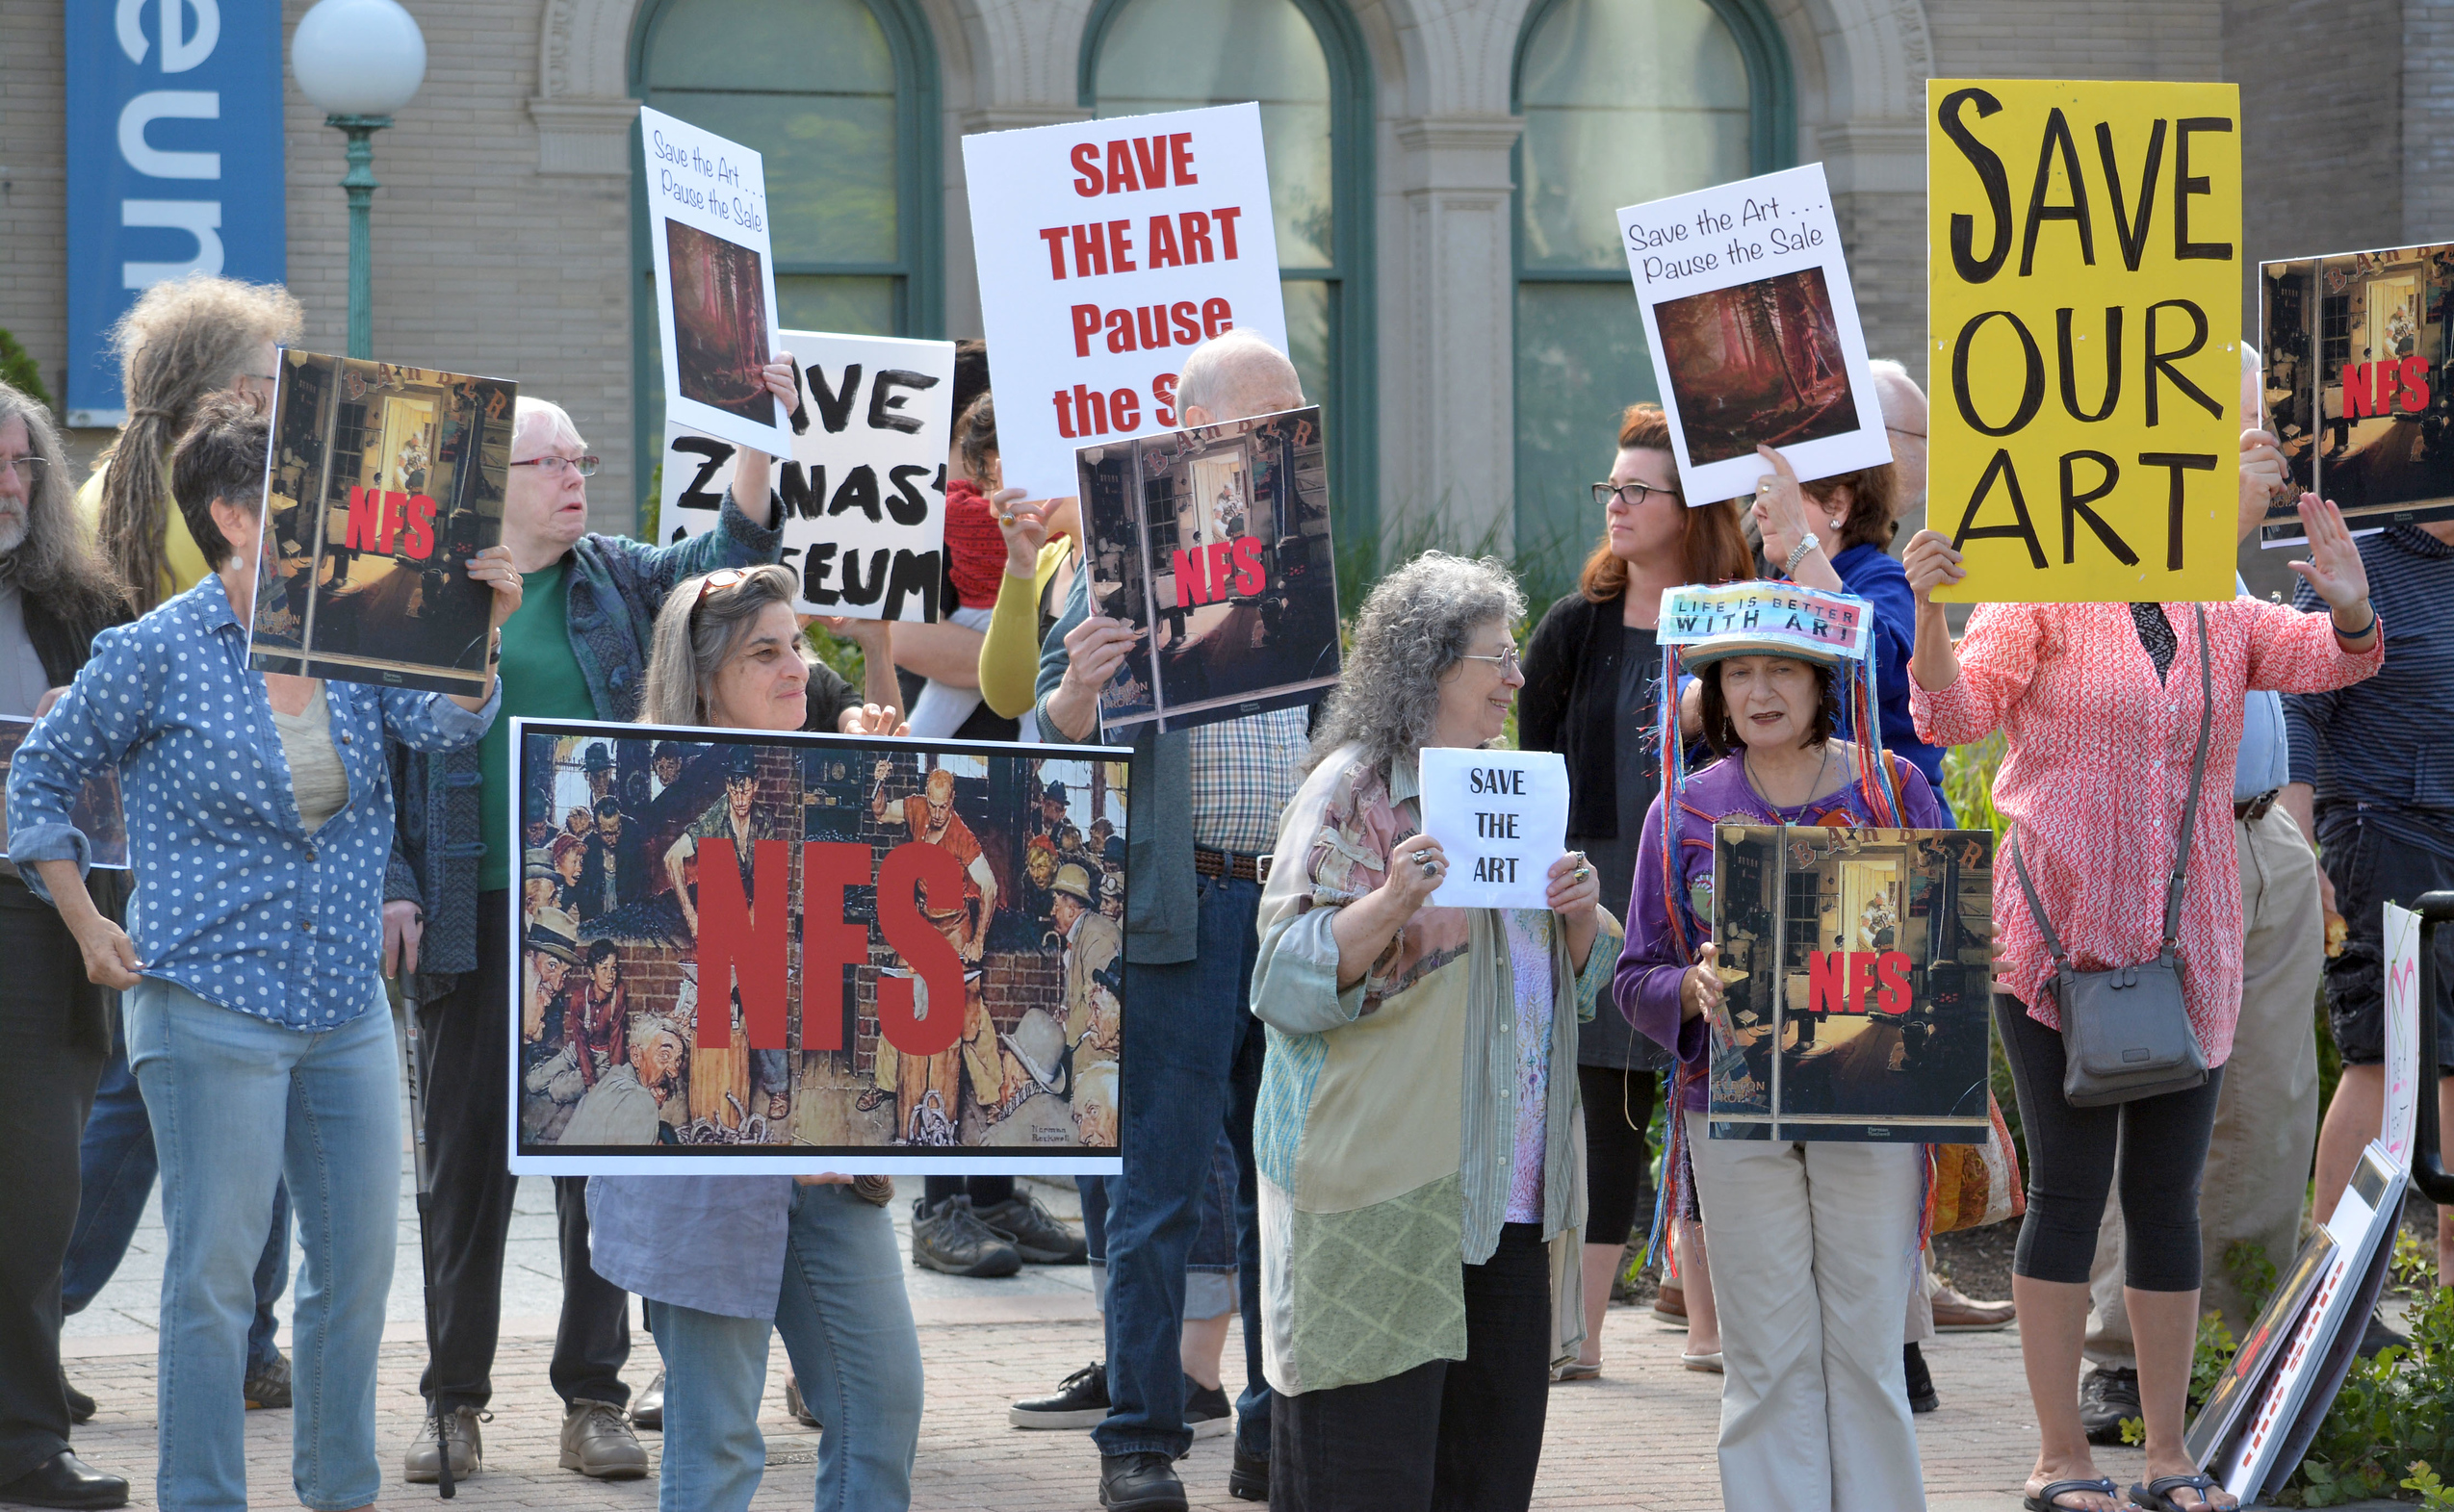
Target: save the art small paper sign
point(1502, 817)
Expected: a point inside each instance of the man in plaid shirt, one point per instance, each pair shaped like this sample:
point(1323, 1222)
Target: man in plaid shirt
point(1205, 805)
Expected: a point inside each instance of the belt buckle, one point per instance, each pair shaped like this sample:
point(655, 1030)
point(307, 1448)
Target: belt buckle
point(1261, 868)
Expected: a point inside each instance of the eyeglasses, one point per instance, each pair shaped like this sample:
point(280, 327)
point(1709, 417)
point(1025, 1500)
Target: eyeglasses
point(1632, 494)
point(1506, 660)
point(585, 467)
point(29, 469)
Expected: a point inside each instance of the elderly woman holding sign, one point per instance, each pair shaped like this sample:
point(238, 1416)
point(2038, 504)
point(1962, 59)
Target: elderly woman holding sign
point(724, 1260)
point(1813, 1245)
point(2123, 721)
point(1419, 1099)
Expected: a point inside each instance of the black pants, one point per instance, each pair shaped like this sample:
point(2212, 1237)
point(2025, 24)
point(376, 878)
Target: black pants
point(1446, 1436)
point(2162, 1143)
point(465, 1032)
point(1618, 1107)
point(51, 1020)
point(985, 1191)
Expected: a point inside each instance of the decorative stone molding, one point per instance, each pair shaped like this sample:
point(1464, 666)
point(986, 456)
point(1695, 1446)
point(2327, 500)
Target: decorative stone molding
point(582, 107)
point(583, 137)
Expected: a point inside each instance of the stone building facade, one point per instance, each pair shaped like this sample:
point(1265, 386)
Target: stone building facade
point(506, 239)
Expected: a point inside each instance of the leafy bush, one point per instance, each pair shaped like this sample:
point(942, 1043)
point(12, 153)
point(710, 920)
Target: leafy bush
point(21, 371)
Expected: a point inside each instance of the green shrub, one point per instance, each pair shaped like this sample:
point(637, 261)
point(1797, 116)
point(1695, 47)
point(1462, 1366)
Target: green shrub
point(21, 371)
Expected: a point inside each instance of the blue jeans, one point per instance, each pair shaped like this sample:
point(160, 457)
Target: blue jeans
point(1196, 1067)
point(847, 1328)
point(236, 1103)
point(115, 1168)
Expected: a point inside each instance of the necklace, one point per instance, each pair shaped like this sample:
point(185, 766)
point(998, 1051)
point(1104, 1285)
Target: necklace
point(1764, 789)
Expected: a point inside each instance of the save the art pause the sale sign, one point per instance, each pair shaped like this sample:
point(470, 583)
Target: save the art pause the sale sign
point(1107, 250)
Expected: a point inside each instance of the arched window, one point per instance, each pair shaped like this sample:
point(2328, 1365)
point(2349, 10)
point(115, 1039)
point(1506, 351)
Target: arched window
point(1304, 60)
point(1624, 101)
point(840, 98)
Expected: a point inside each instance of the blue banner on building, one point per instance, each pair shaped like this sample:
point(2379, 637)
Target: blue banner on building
point(174, 163)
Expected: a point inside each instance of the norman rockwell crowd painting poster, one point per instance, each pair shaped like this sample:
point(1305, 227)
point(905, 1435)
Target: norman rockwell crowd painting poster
point(1213, 545)
point(381, 484)
point(919, 946)
point(1857, 965)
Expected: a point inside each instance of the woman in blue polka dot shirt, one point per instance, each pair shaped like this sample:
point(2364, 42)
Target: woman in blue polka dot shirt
point(259, 812)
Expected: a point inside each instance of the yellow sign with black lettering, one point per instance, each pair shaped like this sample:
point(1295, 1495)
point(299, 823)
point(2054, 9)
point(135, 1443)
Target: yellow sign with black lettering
point(2085, 293)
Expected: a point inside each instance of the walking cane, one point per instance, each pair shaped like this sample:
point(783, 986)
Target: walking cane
point(426, 1204)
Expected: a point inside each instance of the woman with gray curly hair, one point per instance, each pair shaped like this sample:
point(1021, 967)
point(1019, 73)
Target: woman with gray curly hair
point(1419, 1099)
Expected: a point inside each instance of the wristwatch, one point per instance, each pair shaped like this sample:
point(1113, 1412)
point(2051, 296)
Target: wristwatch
point(1798, 554)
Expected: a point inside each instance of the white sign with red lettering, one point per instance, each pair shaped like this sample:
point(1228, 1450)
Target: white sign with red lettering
point(1107, 250)
point(2402, 1032)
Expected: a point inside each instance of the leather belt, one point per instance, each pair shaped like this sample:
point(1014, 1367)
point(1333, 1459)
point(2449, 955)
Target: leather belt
point(1222, 863)
point(2249, 810)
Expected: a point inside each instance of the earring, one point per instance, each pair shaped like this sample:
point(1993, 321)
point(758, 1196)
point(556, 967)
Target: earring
point(1836, 524)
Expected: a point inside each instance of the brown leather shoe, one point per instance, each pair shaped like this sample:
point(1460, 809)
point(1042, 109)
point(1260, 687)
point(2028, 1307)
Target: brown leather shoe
point(1954, 1314)
point(597, 1442)
point(1670, 1303)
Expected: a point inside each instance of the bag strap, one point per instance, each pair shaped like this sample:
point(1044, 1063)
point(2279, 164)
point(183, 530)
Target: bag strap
point(2198, 774)
point(2189, 817)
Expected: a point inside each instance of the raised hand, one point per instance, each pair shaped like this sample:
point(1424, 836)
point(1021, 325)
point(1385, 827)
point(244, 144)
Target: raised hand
point(1931, 562)
point(2334, 572)
point(1024, 524)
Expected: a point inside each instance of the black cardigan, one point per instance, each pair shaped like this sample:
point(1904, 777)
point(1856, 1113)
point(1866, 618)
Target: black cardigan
point(1571, 704)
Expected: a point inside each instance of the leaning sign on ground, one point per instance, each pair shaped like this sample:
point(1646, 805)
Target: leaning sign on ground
point(1213, 545)
point(382, 483)
point(1754, 332)
point(2355, 391)
point(794, 954)
point(706, 203)
point(863, 496)
point(1108, 249)
point(1855, 966)
point(2083, 289)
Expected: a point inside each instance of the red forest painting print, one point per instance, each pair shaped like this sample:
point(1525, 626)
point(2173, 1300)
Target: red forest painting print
point(1756, 362)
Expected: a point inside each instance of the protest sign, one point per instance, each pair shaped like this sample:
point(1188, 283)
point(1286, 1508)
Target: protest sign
point(2268, 1444)
point(2357, 387)
point(1855, 966)
point(96, 813)
point(715, 280)
point(863, 496)
point(1107, 249)
point(2402, 1032)
point(2246, 1376)
point(2085, 337)
point(381, 483)
point(791, 953)
point(1754, 332)
point(1502, 817)
point(1213, 545)
point(1784, 618)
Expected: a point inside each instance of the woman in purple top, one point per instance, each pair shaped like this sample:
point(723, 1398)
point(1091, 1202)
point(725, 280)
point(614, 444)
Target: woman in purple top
point(1813, 1245)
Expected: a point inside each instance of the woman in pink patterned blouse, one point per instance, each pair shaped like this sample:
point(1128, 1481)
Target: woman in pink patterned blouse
point(2101, 707)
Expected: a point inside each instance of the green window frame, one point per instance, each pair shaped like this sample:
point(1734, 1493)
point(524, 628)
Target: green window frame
point(1350, 406)
point(1547, 506)
point(916, 267)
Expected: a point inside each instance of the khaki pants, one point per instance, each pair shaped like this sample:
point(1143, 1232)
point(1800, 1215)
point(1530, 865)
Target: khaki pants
point(1813, 1253)
point(2257, 1164)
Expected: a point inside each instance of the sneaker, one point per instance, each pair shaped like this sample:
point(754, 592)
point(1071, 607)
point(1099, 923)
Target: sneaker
point(1081, 1402)
point(648, 1411)
point(953, 1240)
point(81, 1408)
point(796, 1406)
point(598, 1443)
point(1923, 1397)
point(423, 1465)
point(2108, 1395)
point(1954, 1314)
point(1249, 1479)
point(269, 1386)
point(1143, 1482)
point(1207, 1412)
point(1040, 1237)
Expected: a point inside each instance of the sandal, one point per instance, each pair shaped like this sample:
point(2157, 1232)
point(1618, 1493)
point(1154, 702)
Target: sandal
point(2153, 1497)
point(1710, 1362)
point(1575, 1370)
point(2043, 1499)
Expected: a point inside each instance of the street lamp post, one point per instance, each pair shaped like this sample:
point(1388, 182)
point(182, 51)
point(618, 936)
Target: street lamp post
point(359, 60)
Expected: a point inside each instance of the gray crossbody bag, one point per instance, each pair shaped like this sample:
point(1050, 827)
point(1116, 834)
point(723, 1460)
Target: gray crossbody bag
point(2125, 1032)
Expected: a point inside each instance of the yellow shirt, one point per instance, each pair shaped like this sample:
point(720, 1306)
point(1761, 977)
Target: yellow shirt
point(1010, 654)
point(184, 563)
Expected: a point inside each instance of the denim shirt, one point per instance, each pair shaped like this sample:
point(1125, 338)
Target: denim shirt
point(235, 900)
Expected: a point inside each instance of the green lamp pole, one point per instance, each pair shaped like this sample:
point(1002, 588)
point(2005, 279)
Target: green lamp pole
point(361, 185)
